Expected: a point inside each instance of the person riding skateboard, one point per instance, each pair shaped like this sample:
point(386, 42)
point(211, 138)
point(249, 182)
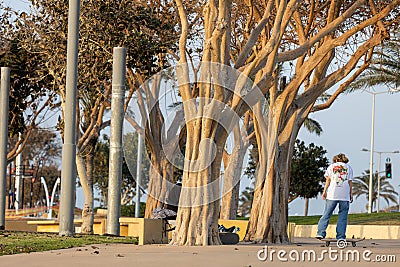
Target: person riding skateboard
point(337, 191)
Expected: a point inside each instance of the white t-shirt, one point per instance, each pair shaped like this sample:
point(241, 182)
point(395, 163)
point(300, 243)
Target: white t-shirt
point(339, 188)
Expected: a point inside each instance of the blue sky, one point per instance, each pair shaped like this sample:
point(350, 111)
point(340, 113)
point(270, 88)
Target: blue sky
point(17, 4)
point(347, 129)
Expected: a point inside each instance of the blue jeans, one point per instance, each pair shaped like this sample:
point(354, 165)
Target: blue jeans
point(330, 206)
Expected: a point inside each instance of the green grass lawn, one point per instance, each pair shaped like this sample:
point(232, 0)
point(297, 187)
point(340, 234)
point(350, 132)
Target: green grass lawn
point(392, 218)
point(24, 242)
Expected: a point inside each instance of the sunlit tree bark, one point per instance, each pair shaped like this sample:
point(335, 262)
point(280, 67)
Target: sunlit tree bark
point(307, 34)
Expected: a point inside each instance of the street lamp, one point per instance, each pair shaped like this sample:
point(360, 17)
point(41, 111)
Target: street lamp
point(371, 160)
point(379, 171)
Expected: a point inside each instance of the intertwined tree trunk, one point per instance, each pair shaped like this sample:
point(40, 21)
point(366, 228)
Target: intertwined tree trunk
point(268, 217)
point(289, 107)
point(197, 219)
point(233, 165)
point(306, 35)
point(230, 191)
point(161, 177)
point(162, 145)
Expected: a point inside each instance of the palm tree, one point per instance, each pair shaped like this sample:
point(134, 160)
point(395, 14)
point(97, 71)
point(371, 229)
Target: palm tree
point(246, 200)
point(361, 187)
point(384, 68)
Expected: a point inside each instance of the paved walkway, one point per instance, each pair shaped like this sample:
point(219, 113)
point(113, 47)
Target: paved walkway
point(370, 253)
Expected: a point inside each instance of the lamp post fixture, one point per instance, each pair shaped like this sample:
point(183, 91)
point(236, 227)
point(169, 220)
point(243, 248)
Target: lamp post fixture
point(371, 160)
point(379, 171)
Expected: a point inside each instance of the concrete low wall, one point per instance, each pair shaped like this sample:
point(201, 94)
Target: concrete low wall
point(149, 231)
point(19, 225)
point(242, 225)
point(153, 231)
point(367, 231)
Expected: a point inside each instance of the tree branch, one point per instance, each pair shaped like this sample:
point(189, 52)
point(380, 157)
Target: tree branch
point(342, 88)
point(312, 94)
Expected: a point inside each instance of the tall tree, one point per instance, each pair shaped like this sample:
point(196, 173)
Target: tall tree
point(163, 142)
point(311, 36)
point(41, 154)
point(29, 98)
point(315, 73)
point(103, 25)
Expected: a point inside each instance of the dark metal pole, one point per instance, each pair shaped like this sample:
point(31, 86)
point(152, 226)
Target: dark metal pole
point(4, 89)
point(68, 171)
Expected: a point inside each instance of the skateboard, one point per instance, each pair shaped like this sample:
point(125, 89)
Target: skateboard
point(341, 243)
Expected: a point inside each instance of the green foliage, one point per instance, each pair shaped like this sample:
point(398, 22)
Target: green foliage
point(313, 126)
point(252, 163)
point(307, 170)
point(129, 210)
point(307, 173)
point(43, 152)
point(384, 68)
point(23, 242)
point(246, 201)
point(103, 25)
point(27, 91)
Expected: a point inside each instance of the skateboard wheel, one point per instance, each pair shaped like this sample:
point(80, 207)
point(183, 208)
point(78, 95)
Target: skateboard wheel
point(327, 243)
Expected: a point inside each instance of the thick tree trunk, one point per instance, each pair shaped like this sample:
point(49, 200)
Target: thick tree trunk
point(230, 201)
point(269, 214)
point(232, 175)
point(268, 217)
point(160, 183)
point(199, 203)
point(197, 220)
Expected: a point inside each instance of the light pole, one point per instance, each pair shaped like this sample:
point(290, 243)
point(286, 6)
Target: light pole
point(379, 171)
point(371, 159)
point(68, 167)
point(4, 94)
